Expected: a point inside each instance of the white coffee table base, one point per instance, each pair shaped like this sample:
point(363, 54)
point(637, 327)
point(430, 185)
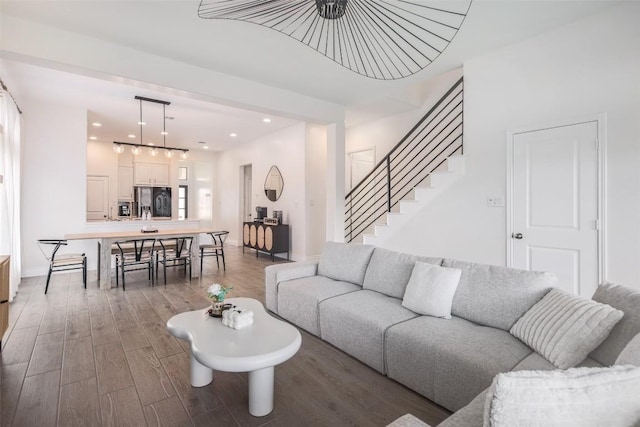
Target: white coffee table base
point(261, 392)
point(200, 375)
point(256, 349)
point(260, 386)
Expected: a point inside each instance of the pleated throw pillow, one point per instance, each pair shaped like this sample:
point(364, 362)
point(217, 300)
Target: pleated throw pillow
point(565, 328)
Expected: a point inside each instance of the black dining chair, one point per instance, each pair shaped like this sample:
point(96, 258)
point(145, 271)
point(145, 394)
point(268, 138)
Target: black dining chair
point(174, 252)
point(216, 248)
point(134, 255)
point(62, 262)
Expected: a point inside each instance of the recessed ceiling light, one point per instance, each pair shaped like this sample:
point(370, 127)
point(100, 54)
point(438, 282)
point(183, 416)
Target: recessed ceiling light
point(150, 143)
point(233, 135)
point(96, 124)
point(142, 123)
point(93, 138)
point(131, 135)
point(266, 120)
point(206, 147)
point(164, 133)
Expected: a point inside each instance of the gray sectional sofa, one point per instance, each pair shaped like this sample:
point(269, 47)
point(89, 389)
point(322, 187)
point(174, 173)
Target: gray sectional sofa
point(353, 298)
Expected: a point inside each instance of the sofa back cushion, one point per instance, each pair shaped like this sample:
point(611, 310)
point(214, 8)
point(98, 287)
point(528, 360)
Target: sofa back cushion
point(630, 355)
point(497, 296)
point(346, 262)
point(627, 300)
point(389, 271)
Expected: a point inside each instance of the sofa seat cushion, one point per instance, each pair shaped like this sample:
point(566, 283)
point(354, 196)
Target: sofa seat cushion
point(497, 296)
point(449, 361)
point(535, 362)
point(298, 299)
point(356, 323)
point(389, 271)
point(346, 262)
point(471, 415)
point(627, 300)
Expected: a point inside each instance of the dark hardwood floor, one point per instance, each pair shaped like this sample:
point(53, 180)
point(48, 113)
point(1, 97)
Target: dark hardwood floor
point(78, 357)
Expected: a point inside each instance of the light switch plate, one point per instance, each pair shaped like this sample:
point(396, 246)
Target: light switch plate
point(495, 201)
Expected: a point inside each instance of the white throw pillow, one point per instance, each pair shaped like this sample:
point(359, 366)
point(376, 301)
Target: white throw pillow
point(431, 289)
point(565, 328)
point(585, 397)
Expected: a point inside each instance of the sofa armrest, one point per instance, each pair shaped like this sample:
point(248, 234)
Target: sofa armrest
point(274, 274)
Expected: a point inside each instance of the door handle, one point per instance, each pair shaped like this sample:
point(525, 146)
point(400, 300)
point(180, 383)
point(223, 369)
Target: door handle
point(516, 236)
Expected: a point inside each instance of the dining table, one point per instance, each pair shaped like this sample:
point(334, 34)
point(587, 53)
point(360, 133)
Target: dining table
point(107, 238)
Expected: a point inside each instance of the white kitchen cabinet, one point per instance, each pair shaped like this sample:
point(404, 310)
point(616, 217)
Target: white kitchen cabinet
point(152, 174)
point(125, 183)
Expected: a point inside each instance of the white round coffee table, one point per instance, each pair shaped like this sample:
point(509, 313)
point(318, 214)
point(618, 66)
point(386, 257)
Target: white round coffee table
point(255, 349)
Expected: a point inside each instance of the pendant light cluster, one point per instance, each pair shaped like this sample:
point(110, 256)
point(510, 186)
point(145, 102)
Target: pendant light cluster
point(136, 149)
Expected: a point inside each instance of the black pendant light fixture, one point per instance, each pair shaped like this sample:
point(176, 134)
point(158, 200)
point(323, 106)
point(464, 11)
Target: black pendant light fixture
point(136, 149)
point(380, 39)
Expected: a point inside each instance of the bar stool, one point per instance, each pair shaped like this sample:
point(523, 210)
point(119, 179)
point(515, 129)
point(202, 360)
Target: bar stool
point(175, 251)
point(62, 262)
point(133, 255)
point(214, 249)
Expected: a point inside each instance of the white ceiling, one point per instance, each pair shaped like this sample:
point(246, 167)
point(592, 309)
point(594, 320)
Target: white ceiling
point(114, 107)
point(173, 29)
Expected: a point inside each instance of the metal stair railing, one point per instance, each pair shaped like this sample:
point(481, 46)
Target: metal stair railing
point(437, 136)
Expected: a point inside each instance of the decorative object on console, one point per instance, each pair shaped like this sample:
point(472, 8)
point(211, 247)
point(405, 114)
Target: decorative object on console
point(237, 317)
point(217, 294)
point(379, 39)
point(261, 213)
point(136, 149)
point(270, 221)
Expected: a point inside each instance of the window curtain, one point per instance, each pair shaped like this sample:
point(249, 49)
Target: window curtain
point(10, 122)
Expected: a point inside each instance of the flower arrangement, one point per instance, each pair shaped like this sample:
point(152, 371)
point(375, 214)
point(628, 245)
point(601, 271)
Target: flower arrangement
point(217, 292)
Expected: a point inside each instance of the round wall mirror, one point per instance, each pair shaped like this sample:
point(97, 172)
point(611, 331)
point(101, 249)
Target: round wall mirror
point(273, 184)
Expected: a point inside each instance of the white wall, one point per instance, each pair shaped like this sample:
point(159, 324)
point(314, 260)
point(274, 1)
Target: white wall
point(583, 69)
point(286, 150)
point(385, 133)
point(53, 178)
point(316, 189)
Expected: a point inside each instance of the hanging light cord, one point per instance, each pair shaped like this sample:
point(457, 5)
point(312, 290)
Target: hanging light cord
point(140, 122)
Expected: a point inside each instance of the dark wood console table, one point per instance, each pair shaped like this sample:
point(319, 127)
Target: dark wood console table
point(271, 239)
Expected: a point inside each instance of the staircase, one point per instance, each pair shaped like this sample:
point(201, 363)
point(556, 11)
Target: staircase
point(422, 165)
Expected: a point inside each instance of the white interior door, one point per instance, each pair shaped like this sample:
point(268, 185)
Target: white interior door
point(97, 197)
point(360, 164)
point(555, 204)
point(247, 184)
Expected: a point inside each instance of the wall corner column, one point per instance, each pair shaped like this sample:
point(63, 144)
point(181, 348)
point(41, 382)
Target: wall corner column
point(335, 181)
